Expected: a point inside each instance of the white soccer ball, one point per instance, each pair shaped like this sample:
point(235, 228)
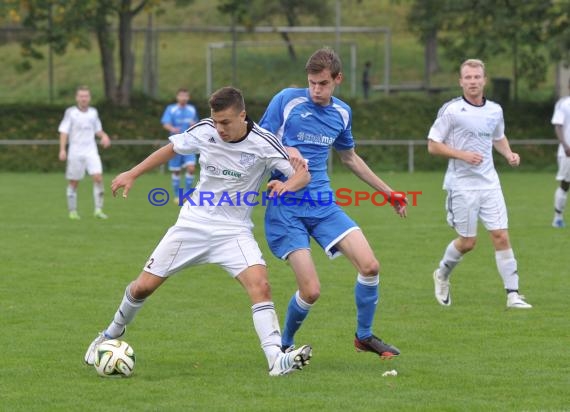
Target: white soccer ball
point(114, 358)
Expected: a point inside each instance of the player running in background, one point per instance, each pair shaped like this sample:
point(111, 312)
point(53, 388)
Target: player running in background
point(309, 121)
point(78, 129)
point(219, 233)
point(465, 131)
point(178, 117)
point(561, 122)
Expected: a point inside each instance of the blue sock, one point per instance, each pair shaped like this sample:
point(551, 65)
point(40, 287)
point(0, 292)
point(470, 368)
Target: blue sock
point(297, 311)
point(366, 297)
point(175, 184)
point(188, 181)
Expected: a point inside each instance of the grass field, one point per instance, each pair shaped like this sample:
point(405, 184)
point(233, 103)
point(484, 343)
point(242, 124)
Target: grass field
point(195, 344)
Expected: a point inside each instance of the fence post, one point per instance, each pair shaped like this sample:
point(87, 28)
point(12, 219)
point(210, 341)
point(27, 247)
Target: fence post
point(410, 156)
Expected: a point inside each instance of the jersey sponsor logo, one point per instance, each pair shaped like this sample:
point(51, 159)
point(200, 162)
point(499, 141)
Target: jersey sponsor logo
point(317, 139)
point(233, 173)
point(247, 160)
point(306, 114)
point(213, 169)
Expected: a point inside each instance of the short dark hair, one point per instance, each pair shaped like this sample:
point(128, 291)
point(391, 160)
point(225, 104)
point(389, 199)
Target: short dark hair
point(225, 98)
point(183, 90)
point(82, 88)
point(322, 59)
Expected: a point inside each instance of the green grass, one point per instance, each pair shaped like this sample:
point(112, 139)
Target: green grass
point(195, 344)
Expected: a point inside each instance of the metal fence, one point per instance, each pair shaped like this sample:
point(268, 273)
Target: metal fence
point(411, 144)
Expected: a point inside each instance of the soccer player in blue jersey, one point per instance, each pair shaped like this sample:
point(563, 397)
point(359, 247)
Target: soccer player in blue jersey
point(178, 117)
point(309, 121)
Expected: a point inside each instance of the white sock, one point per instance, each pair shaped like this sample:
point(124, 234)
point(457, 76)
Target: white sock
point(451, 258)
point(560, 197)
point(267, 328)
point(125, 314)
point(507, 266)
point(98, 192)
point(71, 198)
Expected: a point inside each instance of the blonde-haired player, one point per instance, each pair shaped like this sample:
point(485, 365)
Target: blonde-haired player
point(465, 131)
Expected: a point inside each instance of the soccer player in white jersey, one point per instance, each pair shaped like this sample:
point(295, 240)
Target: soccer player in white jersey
point(309, 122)
point(78, 129)
point(465, 131)
point(215, 226)
point(561, 122)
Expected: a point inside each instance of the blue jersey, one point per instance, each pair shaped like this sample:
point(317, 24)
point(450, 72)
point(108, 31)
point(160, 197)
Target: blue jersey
point(312, 129)
point(180, 117)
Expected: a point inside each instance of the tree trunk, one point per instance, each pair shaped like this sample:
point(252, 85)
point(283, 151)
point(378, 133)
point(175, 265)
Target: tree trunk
point(430, 56)
point(290, 48)
point(126, 55)
point(106, 52)
point(107, 63)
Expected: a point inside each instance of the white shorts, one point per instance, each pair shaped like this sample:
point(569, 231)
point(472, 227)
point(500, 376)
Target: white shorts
point(234, 249)
point(466, 207)
point(76, 166)
point(563, 169)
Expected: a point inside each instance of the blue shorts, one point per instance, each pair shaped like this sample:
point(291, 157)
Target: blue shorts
point(179, 161)
point(289, 228)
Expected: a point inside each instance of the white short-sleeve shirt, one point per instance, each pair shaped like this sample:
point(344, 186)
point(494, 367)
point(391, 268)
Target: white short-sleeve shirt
point(463, 126)
point(81, 126)
point(228, 172)
point(561, 117)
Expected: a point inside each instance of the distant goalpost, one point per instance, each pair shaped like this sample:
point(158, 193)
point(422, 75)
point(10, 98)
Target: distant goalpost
point(307, 29)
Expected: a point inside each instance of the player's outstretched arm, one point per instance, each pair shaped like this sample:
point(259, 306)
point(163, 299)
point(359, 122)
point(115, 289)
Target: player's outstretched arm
point(359, 167)
point(127, 179)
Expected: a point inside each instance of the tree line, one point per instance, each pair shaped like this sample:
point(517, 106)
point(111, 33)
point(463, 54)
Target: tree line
point(531, 34)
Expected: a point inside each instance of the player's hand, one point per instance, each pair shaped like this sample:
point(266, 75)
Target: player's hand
point(514, 159)
point(400, 204)
point(473, 158)
point(124, 180)
point(105, 141)
point(62, 155)
point(276, 188)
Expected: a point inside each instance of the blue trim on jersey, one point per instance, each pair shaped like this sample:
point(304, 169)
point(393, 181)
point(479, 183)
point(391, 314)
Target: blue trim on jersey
point(310, 128)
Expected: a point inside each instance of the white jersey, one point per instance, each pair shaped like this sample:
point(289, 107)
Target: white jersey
point(228, 172)
point(463, 126)
point(561, 117)
point(81, 128)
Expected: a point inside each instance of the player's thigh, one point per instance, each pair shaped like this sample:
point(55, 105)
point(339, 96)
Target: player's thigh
point(563, 173)
point(94, 165)
point(75, 168)
point(462, 208)
point(235, 250)
point(329, 225)
point(175, 164)
point(285, 232)
point(493, 211)
point(179, 248)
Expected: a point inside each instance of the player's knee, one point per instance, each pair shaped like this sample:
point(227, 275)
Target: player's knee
point(311, 293)
point(370, 268)
point(564, 185)
point(466, 244)
point(141, 290)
